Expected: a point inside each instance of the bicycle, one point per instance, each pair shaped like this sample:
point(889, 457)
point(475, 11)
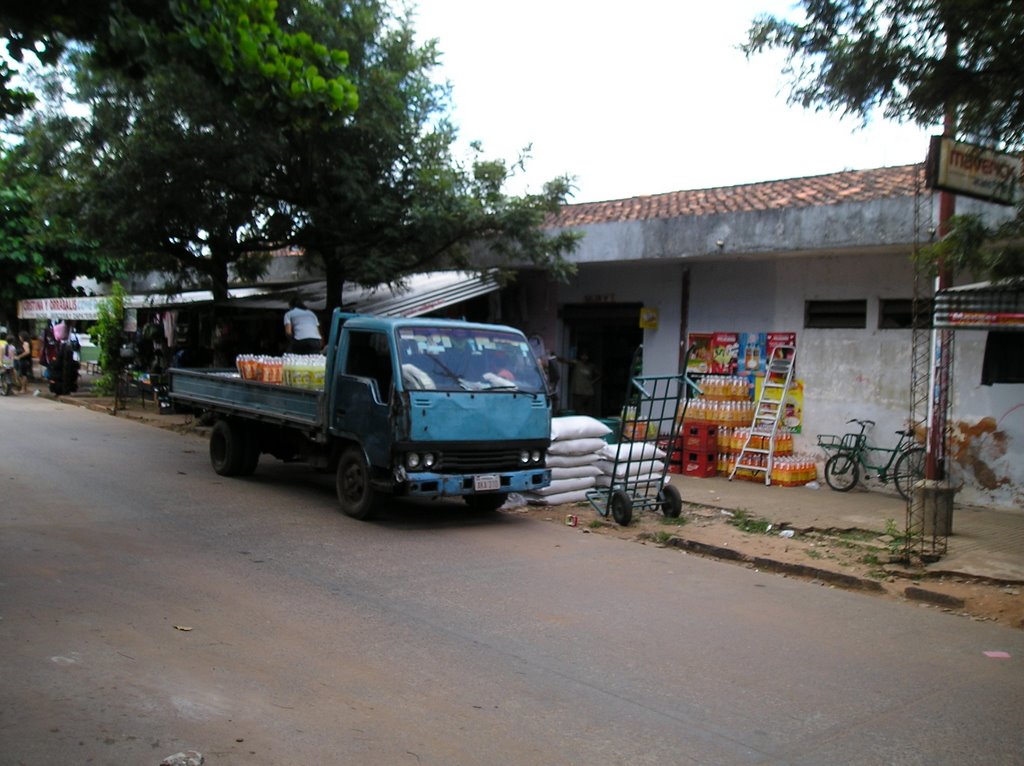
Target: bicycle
point(849, 454)
point(8, 380)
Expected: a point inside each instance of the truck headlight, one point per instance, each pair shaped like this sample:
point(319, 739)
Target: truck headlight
point(536, 456)
point(524, 457)
point(412, 461)
point(428, 460)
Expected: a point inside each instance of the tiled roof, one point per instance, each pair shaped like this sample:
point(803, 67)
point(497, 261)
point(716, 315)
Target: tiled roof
point(812, 191)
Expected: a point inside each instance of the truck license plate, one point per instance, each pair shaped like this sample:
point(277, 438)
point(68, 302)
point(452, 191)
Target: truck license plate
point(487, 482)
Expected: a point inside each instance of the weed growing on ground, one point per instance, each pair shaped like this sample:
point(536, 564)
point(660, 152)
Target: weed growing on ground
point(751, 524)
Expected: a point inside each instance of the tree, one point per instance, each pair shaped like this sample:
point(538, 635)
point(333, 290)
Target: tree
point(238, 41)
point(919, 61)
point(913, 59)
point(42, 249)
point(380, 194)
point(169, 174)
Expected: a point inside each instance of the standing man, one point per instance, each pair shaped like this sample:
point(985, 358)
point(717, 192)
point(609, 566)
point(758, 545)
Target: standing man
point(302, 328)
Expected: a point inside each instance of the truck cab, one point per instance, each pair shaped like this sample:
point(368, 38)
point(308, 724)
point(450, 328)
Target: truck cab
point(433, 408)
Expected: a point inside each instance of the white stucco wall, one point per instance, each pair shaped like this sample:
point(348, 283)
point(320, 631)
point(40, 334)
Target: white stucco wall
point(654, 284)
point(866, 373)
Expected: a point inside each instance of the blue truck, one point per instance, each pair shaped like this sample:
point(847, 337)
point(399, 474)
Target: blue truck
point(426, 408)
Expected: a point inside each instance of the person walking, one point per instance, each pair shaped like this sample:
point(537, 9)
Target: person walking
point(302, 328)
point(23, 361)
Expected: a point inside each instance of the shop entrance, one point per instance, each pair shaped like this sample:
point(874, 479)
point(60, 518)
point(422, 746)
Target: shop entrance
point(610, 334)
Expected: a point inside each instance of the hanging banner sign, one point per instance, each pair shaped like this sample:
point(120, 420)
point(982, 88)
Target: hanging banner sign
point(974, 171)
point(60, 308)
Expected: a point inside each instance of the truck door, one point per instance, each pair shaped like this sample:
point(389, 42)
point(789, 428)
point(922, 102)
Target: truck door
point(363, 392)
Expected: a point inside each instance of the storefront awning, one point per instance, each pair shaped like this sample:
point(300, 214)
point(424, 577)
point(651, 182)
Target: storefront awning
point(982, 306)
point(421, 294)
point(416, 295)
point(82, 308)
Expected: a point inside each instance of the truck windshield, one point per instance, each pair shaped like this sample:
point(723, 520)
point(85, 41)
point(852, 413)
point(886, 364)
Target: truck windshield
point(463, 359)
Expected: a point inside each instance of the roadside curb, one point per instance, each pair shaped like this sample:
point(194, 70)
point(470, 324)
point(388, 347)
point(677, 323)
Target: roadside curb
point(838, 579)
point(931, 597)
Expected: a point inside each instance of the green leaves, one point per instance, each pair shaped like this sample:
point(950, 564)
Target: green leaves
point(247, 47)
point(914, 59)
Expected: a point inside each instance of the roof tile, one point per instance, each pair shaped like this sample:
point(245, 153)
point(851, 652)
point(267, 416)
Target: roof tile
point(810, 191)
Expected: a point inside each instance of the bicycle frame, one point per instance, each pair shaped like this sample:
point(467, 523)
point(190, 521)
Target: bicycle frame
point(849, 454)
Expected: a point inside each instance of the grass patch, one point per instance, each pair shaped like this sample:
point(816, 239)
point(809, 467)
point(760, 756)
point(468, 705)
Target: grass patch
point(668, 521)
point(751, 524)
point(662, 537)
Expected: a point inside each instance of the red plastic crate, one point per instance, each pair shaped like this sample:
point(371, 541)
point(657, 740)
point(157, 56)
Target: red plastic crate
point(700, 437)
point(701, 464)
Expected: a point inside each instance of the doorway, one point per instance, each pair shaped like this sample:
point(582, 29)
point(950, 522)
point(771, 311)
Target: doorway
point(610, 334)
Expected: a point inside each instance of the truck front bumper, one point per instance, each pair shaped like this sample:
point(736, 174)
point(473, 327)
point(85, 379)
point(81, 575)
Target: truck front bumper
point(421, 484)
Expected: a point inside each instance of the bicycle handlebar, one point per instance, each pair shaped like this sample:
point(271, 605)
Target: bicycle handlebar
point(861, 423)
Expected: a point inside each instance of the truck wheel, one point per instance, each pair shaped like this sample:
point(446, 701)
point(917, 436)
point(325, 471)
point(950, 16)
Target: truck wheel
point(486, 503)
point(355, 495)
point(227, 448)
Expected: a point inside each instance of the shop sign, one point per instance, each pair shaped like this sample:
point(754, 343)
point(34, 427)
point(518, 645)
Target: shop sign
point(648, 318)
point(60, 308)
point(974, 171)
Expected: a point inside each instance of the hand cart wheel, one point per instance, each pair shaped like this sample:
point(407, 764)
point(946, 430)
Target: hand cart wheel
point(671, 502)
point(622, 508)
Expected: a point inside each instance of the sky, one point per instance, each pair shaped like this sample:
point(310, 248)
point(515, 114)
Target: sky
point(640, 97)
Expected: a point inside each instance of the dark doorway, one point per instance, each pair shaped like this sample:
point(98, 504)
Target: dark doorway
point(610, 333)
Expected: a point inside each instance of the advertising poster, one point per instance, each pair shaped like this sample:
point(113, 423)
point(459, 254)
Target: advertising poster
point(725, 353)
point(700, 359)
point(793, 416)
point(775, 339)
point(752, 351)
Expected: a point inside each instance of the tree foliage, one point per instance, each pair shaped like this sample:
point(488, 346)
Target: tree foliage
point(238, 42)
point(912, 59)
point(381, 194)
point(917, 61)
point(197, 166)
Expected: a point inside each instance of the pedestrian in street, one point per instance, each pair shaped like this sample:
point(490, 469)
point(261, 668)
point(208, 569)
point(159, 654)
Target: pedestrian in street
point(23, 361)
point(302, 328)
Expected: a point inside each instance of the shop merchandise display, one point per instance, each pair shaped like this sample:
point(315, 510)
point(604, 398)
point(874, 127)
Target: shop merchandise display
point(716, 426)
point(295, 370)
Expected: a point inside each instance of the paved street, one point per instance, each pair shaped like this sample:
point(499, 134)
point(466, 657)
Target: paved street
point(149, 606)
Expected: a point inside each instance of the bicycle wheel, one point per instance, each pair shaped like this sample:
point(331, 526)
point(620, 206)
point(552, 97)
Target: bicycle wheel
point(908, 471)
point(842, 472)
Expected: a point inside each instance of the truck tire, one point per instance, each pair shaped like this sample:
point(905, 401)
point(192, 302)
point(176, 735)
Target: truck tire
point(356, 496)
point(227, 448)
point(487, 503)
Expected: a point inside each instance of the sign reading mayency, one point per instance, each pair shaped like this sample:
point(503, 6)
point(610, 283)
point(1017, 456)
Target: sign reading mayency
point(974, 171)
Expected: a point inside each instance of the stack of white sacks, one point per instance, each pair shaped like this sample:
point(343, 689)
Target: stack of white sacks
point(576, 444)
point(640, 466)
point(580, 460)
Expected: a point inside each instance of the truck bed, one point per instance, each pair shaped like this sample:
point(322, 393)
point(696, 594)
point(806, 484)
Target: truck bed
point(224, 391)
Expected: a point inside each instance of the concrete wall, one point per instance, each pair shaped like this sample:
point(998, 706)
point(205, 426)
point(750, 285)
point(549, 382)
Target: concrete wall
point(754, 271)
point(654, 284)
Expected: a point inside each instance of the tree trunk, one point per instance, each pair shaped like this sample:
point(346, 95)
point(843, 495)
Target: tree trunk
point(335, 276)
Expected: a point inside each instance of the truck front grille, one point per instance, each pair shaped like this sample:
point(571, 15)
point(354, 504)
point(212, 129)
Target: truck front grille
point(480, 460)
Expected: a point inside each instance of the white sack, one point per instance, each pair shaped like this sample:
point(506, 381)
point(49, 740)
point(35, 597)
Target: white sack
point(577, 427)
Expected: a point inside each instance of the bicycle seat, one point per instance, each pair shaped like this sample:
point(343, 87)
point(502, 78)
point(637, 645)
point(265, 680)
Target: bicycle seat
point(905, 432)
